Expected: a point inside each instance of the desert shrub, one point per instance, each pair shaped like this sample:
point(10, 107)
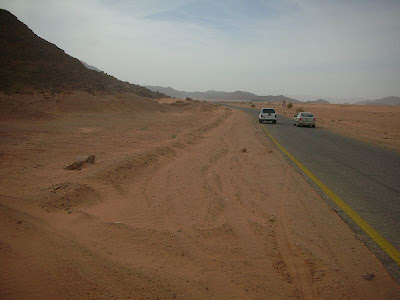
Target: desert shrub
point(300, 109)
point(178, 101)
point(253, 105)
point(289, 105)
point(189, 99)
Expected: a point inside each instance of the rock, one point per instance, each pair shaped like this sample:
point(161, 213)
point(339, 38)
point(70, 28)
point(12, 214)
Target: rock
point(74, 166)
point(243, 150)
point(80, 161)
point(87, 159)
point(368, 276)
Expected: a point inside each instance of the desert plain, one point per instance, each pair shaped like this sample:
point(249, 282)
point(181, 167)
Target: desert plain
point(173, 207)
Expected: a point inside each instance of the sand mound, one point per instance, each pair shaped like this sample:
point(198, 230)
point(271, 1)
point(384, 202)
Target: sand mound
point(45, 106)
point(13, 109)
point(131, 167)
point(67, 195)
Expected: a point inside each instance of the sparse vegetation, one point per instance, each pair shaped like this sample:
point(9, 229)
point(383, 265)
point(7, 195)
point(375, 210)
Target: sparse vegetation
point(178, 101)
point(173, 136)
point(289, 105)
point(300, 109)
point(252, 105)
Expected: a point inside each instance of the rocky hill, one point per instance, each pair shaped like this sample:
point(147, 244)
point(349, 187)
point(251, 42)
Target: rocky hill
point(319, 101)
point(383, 101)
point(30, 63)
point(218, 95)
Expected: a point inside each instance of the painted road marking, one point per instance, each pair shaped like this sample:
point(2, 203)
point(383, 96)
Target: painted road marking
point(372, 233)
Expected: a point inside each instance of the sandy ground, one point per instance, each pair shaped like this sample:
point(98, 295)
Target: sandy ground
point(379, 125)
point(171, 209)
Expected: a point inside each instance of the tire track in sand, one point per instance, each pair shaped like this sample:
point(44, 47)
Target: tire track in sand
point(297, 266)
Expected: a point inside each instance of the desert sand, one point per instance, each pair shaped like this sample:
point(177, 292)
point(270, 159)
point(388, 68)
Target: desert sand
point(172, 208)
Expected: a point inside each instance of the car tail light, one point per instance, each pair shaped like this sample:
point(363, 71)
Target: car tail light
point(314, 119)
point(300, 119)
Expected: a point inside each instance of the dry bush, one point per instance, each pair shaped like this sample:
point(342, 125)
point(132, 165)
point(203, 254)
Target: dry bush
point(290, 105)
point(300, 109)
point(178, 101)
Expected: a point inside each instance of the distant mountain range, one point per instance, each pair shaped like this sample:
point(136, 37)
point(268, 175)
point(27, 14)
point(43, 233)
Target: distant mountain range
point(90, 67)
point(247, 96)
point(319, 101)
point(218, 95)
point(393, 101)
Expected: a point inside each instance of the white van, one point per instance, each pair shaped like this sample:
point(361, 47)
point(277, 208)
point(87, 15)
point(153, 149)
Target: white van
point(267, 114)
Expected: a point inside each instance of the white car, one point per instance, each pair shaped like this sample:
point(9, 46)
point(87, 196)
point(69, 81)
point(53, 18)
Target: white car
point(304, 119)
point(267, 115)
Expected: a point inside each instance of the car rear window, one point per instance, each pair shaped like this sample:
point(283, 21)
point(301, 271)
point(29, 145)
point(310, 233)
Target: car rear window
point(307, 115)
point(268, 111)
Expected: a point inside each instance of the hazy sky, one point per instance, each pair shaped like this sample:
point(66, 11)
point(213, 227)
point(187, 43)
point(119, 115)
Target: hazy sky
point(311, 47)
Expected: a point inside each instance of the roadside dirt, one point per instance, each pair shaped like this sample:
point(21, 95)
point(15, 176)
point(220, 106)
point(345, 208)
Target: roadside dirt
point(171, 209)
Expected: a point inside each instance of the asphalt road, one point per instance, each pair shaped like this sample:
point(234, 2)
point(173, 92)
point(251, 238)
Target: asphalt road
point(366, 177)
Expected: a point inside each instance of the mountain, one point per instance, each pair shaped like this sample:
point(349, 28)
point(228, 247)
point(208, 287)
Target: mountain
point(90, 67)
point(392, 101)
point(218, 95)
point(30, 63)
point(168, 91)
point(319, 101)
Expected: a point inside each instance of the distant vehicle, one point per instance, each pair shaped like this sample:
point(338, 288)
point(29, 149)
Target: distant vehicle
point(267, 114)
point(304, 119)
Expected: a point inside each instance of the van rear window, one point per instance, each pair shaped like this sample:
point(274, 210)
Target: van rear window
point(268, 111)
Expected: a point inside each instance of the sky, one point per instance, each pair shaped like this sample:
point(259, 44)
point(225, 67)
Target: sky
point(337, 50)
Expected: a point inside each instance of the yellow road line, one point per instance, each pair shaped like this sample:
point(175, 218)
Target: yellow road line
point(373, 234)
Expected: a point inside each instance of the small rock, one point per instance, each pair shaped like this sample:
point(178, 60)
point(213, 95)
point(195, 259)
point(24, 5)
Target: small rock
point(80, 161)
point(74, 166)
point(243, 150)
point(270, 151)
point(368, 276)
point(19, 222)
point(87, 159)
